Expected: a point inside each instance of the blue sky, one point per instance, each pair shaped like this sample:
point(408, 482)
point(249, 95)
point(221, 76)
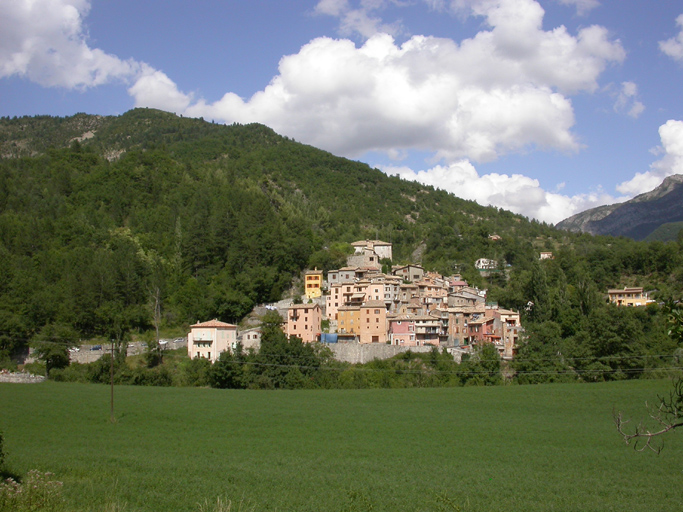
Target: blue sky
point(543, 107)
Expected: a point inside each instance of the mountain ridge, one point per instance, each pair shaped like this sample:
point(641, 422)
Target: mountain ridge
point(636, 218)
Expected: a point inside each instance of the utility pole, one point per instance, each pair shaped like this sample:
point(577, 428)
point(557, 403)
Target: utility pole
point(111, 376)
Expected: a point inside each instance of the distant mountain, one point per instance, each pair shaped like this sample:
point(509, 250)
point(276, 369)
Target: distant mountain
point(637, 218)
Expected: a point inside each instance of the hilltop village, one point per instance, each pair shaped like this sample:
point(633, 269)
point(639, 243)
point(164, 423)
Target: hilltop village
point(404, 306)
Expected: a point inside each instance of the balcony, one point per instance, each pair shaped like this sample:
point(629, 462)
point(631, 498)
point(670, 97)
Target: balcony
point(204, 337)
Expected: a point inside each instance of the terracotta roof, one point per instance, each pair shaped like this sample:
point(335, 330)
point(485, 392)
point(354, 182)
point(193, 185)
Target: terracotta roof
point(214, 323)
point(627, 290)
point(400, 317)
point(302, 306)
point(365, 242)
point(374, 304)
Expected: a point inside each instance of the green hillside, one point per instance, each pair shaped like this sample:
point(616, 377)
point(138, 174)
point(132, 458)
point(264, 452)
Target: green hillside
point(666, 232)
point(102, 218)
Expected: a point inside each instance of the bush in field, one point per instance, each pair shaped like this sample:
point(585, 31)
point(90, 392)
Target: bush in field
point(38, 492)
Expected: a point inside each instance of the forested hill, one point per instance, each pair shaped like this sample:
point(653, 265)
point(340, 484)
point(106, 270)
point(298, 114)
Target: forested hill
point(104, 218)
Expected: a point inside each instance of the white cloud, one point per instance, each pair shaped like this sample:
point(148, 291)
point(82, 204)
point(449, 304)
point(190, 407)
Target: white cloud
point(504, 90)
point(517, 193)
point(674, 47)
point(44, 41)
point(362, 20)
point(671, 134)
point(627, 101)
point(154, 89)
point(582, 6)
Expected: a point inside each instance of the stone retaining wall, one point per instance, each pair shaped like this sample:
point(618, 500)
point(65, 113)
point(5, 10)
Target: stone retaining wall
point(21, 378)
point(363, 353)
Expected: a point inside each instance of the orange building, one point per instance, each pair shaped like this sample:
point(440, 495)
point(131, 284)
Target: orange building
point(348, 321)
point(373, 322)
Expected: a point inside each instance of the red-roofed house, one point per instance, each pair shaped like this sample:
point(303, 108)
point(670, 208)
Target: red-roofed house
point(209, 339)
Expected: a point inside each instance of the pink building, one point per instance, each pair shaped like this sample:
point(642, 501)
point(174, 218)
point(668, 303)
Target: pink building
point(402, 330)
point(303, 321)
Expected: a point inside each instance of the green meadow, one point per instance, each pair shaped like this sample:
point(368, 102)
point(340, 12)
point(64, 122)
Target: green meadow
point(526, 448)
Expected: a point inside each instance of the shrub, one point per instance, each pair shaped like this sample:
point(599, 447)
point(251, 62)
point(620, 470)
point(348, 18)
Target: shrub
point(38, 492)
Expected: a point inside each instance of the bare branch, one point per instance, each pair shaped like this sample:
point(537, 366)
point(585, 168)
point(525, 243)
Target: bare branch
point(668, 415)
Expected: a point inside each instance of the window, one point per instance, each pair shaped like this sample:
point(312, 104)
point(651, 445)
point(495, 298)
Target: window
point(377, 311)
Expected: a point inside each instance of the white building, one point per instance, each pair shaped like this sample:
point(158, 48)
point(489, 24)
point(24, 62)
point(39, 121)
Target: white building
point(209, 339)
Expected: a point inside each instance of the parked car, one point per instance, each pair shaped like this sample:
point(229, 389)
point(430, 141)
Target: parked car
point(96, 347)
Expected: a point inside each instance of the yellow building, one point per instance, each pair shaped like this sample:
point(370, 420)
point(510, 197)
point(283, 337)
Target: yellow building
point(313, 283)
point(628, 297)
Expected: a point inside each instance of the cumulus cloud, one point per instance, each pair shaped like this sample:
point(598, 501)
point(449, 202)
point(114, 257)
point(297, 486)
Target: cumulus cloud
point(517, 193)
point(674, 47)
point(505, 90)
point(671, 135)
point(44, 41)
point(627, 101)
point(156, 90)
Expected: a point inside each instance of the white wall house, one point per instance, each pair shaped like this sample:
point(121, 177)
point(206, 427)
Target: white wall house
point(209, 339)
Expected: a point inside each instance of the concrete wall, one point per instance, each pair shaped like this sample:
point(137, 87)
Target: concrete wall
point(363, 353)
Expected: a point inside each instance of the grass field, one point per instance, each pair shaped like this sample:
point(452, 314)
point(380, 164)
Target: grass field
point(526, 448)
